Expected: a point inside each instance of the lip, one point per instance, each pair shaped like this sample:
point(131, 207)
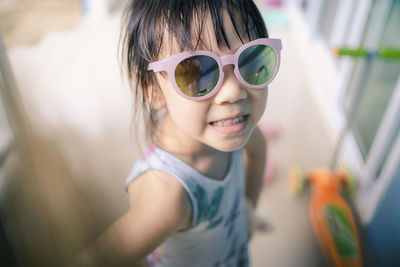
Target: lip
point(231, 128)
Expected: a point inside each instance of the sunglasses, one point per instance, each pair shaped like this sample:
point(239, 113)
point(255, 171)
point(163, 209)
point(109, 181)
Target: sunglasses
point(198, 75)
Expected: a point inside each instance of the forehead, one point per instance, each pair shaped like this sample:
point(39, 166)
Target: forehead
point(204, 36)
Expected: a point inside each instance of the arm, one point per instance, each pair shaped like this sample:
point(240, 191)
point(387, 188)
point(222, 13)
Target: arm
point(159, 206)
point(255, 154)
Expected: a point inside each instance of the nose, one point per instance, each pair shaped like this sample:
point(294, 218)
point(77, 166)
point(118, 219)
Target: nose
point(231, 90)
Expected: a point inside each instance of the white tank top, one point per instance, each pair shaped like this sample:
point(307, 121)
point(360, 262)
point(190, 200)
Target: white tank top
point(218, 235)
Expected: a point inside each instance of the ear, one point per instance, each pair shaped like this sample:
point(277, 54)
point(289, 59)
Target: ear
point(155, 97)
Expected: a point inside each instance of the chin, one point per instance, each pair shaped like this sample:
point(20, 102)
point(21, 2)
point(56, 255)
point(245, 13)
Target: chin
point(229, 143)
point(229, 146)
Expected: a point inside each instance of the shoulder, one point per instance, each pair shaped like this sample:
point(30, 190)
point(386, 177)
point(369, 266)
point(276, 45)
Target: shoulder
point(163, 196)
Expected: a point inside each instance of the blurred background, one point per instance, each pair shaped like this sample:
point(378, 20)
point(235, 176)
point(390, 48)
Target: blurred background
point(67, 142)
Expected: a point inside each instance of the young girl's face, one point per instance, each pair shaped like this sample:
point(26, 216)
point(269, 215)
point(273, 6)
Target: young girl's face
point(224, 121)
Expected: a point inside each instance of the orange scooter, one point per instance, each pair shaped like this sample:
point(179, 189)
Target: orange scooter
point(330, 215)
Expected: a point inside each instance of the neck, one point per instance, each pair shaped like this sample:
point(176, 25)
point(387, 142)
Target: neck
point(205, 159)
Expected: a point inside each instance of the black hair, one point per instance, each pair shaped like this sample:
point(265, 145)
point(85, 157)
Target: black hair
point(147, 21)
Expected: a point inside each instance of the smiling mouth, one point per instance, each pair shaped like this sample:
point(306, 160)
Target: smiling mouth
point(230, 122)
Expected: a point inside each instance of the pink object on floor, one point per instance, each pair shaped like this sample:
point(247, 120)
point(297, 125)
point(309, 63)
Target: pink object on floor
point(270, 130)
point(270, 171)
point(274, 3)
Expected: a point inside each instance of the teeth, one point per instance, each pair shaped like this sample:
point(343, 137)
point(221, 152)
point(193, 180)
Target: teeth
point(236, 120)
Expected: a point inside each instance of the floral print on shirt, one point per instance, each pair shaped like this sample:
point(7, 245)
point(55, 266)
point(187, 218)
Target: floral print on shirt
point(208, 210)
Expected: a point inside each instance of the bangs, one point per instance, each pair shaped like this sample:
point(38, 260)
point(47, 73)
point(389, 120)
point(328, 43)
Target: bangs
point(185, 25)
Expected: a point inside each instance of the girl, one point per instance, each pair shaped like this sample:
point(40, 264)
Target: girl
point(202, 69)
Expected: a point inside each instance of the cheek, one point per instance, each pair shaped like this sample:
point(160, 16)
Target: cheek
point(259, 102)
point(187, 115)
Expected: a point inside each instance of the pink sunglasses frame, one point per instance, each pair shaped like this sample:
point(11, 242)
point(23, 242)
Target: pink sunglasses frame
point(169, 65)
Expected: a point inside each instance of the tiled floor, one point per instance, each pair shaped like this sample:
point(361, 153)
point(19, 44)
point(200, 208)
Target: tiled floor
point(303, 139)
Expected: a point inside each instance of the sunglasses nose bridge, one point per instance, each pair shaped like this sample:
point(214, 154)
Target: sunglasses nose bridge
point(228, 60)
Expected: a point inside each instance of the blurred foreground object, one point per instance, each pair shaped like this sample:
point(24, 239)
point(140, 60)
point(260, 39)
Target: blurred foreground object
point(49, 208)
point(38, 220)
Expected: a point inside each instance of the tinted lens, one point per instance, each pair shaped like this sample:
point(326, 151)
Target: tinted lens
point(197, 76)
point(257, 64)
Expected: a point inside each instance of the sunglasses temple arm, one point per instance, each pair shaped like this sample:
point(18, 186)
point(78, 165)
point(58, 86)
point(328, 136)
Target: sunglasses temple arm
point(156, 66)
